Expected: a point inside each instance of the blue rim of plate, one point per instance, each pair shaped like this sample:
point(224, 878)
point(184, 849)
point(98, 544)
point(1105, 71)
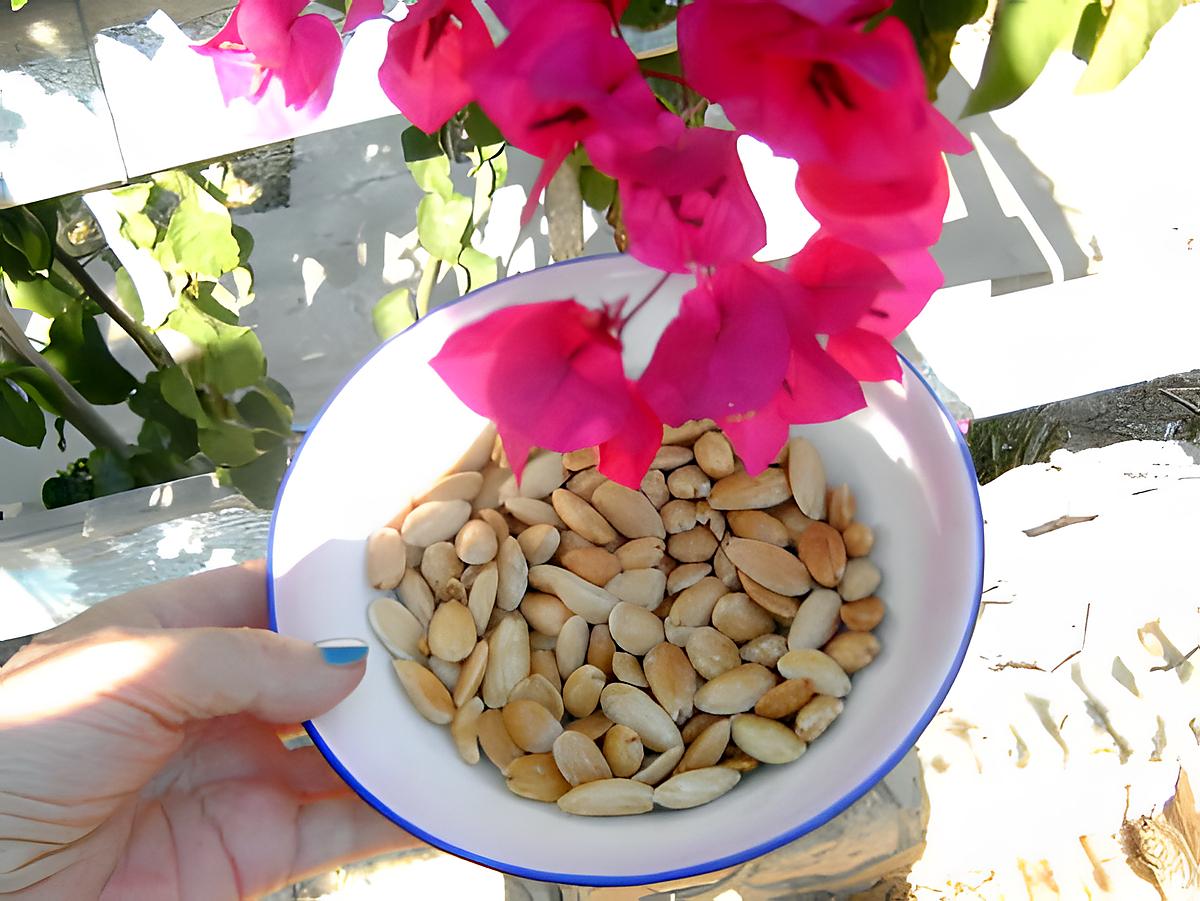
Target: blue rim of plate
point(710, 866)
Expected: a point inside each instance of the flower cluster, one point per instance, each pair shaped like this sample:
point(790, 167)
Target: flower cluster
point(757, 348)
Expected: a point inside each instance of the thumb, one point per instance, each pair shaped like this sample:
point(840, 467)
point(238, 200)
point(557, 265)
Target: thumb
point(192, 674)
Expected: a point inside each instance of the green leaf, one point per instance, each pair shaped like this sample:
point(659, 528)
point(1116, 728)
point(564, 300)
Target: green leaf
point(130, 203)
point(282, 393)
point(167, 427)
point(260, 408)
point(259, 480)
point(35, 383)
point(128, 297)
point(46, 212)
point(442, 222)
point(231, 356)
point(934, 24)
point(23, 231)
point(18, 4)
point(597, 188)
point(393, 313)
point(649, 14)
point(228, 444)
point(60, 425)
point(417, 145)
point(110, 473)
point(179, 393)
point(1091, 23)
point(78, 350)
point(1024, 35)
point(1123, 41)
point(39, 295)
point(480, 128)
point(480, 268)
point(200, 233)
point(427, 161)
point(206, 300)
point(70, 486)
point(21, 419)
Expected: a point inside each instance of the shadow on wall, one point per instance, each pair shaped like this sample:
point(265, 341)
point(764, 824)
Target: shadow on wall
point(1034, 247)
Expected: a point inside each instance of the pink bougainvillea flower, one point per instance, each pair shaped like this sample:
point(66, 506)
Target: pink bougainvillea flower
point(268, 41)
point(742, 351)
point(428, 55)
point(849, 106)
point(509, 12)
point(550, 375)
point(560, 77)
point(361, 11)
point(686, 202)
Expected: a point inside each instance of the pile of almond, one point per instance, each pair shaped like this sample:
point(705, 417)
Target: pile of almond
point(612, 649)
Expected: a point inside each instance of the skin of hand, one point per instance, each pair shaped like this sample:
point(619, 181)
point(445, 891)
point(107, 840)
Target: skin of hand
point(141, 753)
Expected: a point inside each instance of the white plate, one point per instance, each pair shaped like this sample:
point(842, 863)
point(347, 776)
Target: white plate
point(393, 426)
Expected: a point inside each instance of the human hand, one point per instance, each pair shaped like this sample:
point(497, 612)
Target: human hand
point(140, 752)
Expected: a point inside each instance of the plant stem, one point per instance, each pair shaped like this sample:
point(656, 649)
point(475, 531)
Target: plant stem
point(564, 213)
point(645, 300)
point(429, 277)
point(149, 342)
point(72, 405)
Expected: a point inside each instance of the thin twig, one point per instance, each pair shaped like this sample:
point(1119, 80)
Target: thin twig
point(1167, 667)
point(1183, 402)
point(149, 342)
point(645, 300)
point(429, 277)
point(1061, 523)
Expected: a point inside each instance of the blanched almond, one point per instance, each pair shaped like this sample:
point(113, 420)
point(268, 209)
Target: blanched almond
point(542, 475)
point(725, 571)
point(571, 649)
point(853, 650)
point(594, 725)
point(766, 649)
point(628, 669)
point(387, 558)
point(859, 539)
point(546, 613)
point(593, 564)
point(672, 680)
point(428, 695)
point(816, 621)
point(447, 672)
point(694, 605)
point(435, 521)
point(497, 521)
point(784, 699)
point(582, 597)
point(736, 690)
point(860, 579)
point(532, 511)
point(489, 494)
point(630, 512)
point(698, 723)
point(623, 751)
point(539, 543)
point(581, 517)
point(497, 744)
point(678, 516)
point(481, 600)
point(770, 566)
point(581, 691)
point(514, 575)
point(864, 615)
point(539, 690)
point(641, 553)
point(840, 507)
point(585, 482)
point(454, 590)
point(452, 632)
point(806, 474)
point(677, 635)
point(601, 648)
point(608, 798)
point(654, 486)
point(766, 740)
point(571, 541)
point(439, 565)
point(689, 482)
point(708, 747)
point(643, 587)
point(825, 674)
point(688, 432)
point(714, 519)
point(758, 526)
point(476, 456)
point(634, 629)
point(816, 716)
point(693, 546)
point(536, 776)
point(543, 662)
point(655, 769)
point(695, 787)
point(458, 486)
point(540, 641)
point(739, 760)
point(715, 455)
point(686, 576)
point(531, 725)
point(470, 674)
point(631, 707)
point(741, 491)
point(507, 660)
point(396, 627)
point(823, 553)
point(579, 760)
point(672, 456)
point(780, 606)
point(711, 653)
point(738, 617)
point(464, 729)
point(581, 459)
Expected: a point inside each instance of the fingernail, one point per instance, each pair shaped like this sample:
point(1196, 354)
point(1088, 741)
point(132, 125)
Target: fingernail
point(342, 651)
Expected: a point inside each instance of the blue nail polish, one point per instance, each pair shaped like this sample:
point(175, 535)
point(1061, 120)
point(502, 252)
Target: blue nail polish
point(342, 651)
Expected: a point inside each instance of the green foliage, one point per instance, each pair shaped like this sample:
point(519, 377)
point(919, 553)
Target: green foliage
point(77, 349)
point(21, 419)
point(598, 189)
point(649, 14)
point(934, 24)
point(70, 486)
point(393, 313)
point(1121, 39)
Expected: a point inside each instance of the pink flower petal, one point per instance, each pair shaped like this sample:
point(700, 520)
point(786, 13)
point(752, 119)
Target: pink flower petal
point(757, 437)
point(264, 26)
point(312, 64)
point(865, 355)
point(817, 388)
point(627, 455)
point(361, 11)
point(841, 281)
point(895, 308)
